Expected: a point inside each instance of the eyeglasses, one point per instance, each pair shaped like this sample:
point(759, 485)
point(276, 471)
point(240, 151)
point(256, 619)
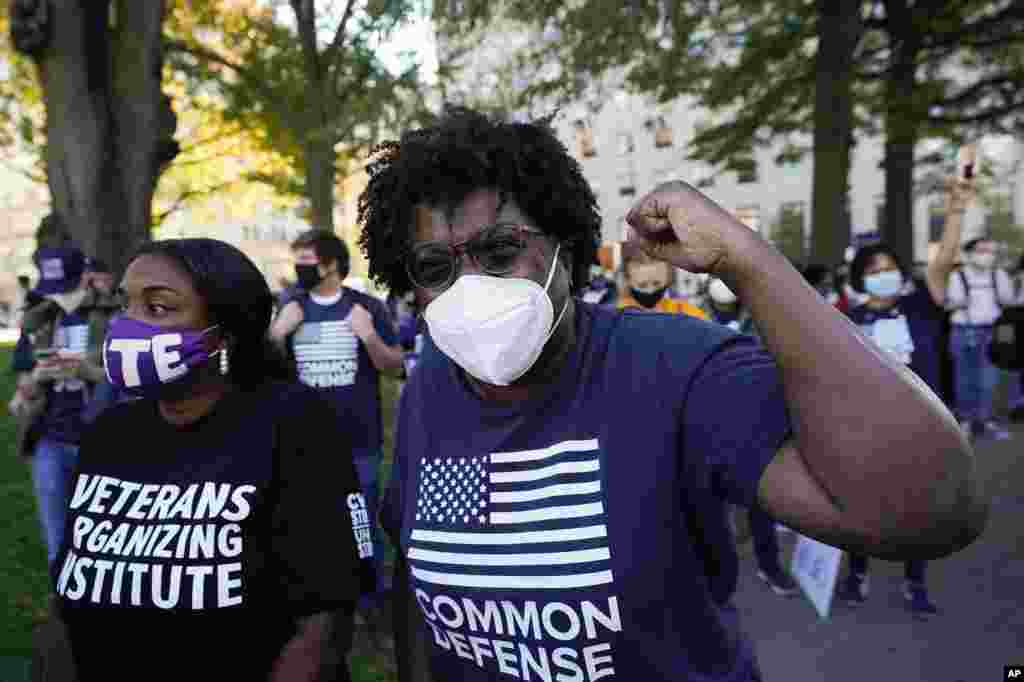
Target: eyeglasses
point(495, 250)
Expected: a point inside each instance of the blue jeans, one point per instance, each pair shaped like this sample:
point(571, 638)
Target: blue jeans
point(975, 377)
point(52, 466)
point(367, 469)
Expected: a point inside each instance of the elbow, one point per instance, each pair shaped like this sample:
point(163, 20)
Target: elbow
point(943, 530)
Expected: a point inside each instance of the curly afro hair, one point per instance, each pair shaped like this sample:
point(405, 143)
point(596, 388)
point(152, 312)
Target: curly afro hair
point(467, 151)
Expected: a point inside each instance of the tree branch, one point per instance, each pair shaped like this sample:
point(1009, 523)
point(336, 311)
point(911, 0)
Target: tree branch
point(223, 135)
point(987, 116)
point(305, 19)
point(179, 202)
point(975, 90)
point(200, 52)
point(979, 28)
point(333, 53)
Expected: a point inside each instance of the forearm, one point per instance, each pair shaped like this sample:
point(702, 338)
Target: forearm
point(385, 358)
point(877, 440)
point(322, 640)
point(92, 371)
point(949, 247)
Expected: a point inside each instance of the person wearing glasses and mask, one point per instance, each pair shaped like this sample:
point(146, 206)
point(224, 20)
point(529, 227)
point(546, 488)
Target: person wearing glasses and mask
point(648, 283)
point(341, 340)
point(562, 470)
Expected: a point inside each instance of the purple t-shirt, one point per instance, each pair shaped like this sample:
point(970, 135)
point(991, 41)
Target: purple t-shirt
point(331, 358)
point(584, 535)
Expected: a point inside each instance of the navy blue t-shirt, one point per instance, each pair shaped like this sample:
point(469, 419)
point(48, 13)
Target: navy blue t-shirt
point(584, 534)
point(330, 357)
point(190, 553)
point(66, 398)
point(924, 320)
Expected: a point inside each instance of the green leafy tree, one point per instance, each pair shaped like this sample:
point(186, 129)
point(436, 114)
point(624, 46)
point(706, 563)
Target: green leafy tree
point(774, 72)
point(306, 76)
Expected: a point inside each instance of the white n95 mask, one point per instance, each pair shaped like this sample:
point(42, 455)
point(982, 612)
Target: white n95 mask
point(494, 328)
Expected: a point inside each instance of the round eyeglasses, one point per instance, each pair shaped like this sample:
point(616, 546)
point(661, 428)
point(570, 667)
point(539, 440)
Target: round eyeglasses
point(495, 250)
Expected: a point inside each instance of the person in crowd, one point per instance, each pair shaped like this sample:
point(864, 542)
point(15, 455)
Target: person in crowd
point(601, 288)
point(192, 507)
point(20, 300)
point(56, 378)
point(341, 340)
point(562, 470)
point(288, 292)
point(410, 333)
point(648, 282)
point(822, 279)
point(904, 316)
point(1015, 385)
point(102, 305)
point(726, 309)
point(976, 294)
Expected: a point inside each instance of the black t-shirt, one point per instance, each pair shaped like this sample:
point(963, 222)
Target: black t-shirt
point(190, 553)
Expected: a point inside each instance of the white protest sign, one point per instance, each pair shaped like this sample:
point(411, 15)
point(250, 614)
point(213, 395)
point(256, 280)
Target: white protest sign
point(815, 567)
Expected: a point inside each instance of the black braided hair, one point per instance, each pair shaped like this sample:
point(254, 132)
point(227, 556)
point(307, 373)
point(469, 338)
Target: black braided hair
point(467, 151)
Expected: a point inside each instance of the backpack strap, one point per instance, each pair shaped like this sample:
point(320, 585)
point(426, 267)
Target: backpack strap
point(967, 294)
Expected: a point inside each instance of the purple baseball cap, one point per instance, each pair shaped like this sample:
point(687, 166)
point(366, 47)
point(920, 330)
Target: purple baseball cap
point(60, 269)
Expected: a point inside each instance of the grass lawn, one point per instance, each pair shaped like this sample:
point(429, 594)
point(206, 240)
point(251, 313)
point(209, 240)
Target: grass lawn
point(23, 579)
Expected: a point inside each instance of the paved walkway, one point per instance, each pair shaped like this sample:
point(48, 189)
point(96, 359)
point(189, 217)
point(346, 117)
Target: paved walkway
point(980, 591)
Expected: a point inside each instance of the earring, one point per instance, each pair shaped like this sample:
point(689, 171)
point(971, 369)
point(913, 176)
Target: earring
point(224, 366)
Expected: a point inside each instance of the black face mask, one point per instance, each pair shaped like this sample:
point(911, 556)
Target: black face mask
point(308, 275)
point(648, 299)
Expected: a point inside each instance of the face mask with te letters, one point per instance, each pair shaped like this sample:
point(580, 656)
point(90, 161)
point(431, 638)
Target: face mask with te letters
point(146, 360)
point(494, 327)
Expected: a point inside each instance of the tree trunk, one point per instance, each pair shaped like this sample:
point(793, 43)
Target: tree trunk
point(319, 143)
point(320, 178)
point(108, 125)
point(901, 135)
point(840, 29)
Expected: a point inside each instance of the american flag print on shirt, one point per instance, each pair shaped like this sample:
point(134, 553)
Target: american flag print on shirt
point(527, 520)
point(327, 354)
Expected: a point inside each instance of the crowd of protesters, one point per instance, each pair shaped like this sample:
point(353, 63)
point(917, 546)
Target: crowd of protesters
point(572, 438)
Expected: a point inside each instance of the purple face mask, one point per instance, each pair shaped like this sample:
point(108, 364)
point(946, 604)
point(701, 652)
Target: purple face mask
point(143, 358)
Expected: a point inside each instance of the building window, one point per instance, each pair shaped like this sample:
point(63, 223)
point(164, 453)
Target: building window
point(584, 139)
point(662, 131)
